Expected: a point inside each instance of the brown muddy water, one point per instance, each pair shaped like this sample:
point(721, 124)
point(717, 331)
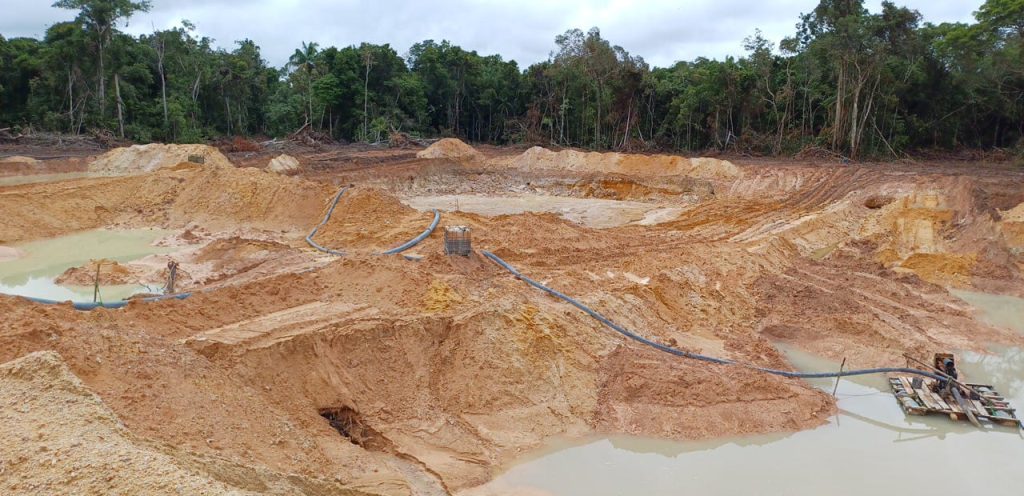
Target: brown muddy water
point(870, 447)
point(995, 310)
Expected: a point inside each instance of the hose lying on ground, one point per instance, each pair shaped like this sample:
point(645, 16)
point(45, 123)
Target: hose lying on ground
point(309, 238)
point(394, 251)
point(91, 305)
point(668, 349)
point(415, 241)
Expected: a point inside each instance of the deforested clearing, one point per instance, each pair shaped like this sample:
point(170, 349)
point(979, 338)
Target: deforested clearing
point(382, 373)
point(272, 256)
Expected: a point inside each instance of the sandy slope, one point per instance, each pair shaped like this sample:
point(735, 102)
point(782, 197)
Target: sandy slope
point(447, 367)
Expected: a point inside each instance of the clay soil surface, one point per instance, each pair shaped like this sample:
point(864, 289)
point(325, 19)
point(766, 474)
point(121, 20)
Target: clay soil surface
point(290, 371)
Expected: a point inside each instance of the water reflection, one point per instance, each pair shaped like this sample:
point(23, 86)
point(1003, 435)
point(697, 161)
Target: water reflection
point(870, 447)
point(33, 274)
point(996, 310)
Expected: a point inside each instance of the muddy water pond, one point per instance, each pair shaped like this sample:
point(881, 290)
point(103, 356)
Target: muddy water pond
point(40, 262)
point(870, 447)
point(995, 310)
point(591, 212)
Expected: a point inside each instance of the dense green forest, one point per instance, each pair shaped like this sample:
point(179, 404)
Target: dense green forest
point(858, 83)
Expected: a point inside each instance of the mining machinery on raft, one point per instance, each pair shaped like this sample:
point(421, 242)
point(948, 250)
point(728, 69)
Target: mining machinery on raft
point(950, 395)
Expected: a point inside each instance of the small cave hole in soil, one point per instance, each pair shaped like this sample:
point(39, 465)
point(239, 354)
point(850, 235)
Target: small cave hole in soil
point(350, 425)
point(877, 201)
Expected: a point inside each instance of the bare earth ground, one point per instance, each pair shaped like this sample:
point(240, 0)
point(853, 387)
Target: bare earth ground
point(439, 370)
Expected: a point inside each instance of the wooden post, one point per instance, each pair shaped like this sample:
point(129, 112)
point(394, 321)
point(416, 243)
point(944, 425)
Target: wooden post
point(836, 388)
point(96, 283)
point(172, 275)
point(964, 406)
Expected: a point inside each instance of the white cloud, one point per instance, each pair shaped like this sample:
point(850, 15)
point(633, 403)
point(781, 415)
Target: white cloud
point(662, 31)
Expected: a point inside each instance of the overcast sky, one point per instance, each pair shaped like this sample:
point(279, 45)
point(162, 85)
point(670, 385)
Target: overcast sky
point(662, 31)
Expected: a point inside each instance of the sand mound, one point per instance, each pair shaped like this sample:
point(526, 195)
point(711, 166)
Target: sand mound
point(59, 437)
point(111, 273)
point(214, 198)
point(18, 159)
point(372, 206)
point(139, 159)
point(235, 248)
point(650, 165)
point(1015, 214)
point(368, 218)
point(283, 164)
point(250, 196)
point(450, 148)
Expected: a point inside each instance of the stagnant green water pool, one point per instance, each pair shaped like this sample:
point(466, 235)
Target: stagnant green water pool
point(42, 261)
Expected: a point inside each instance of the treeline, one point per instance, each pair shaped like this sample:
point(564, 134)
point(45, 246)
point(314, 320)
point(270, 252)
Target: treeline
point(851, 81)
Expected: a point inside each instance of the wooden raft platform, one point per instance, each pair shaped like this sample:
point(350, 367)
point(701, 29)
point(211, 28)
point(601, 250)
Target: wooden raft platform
point(923, 401)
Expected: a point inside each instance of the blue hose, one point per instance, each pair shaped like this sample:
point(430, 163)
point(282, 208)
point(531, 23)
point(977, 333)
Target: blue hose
point(91, 305)
point(668, 349)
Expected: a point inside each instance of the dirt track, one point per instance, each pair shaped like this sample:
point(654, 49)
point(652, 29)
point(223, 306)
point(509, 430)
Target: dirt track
point(444, 368)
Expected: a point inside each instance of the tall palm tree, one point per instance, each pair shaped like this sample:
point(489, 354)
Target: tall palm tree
point(367, 62)
point(305, 59)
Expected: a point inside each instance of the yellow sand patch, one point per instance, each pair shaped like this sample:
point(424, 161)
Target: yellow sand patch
point(440, 297)
point(942, 268)
point(918, 230)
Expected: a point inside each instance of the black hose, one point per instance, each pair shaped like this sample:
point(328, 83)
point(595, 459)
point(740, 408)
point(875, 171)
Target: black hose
point(415, 241)
point(309, 238)
point(393, 251)
point(695, 356)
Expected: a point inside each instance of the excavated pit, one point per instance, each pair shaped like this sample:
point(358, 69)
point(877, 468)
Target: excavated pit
point(351, 426)
point(870, 443)
point(379, 375)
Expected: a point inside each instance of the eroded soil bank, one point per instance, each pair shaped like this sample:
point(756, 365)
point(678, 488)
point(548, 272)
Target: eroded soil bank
point(293, 372)
point(869, 446)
